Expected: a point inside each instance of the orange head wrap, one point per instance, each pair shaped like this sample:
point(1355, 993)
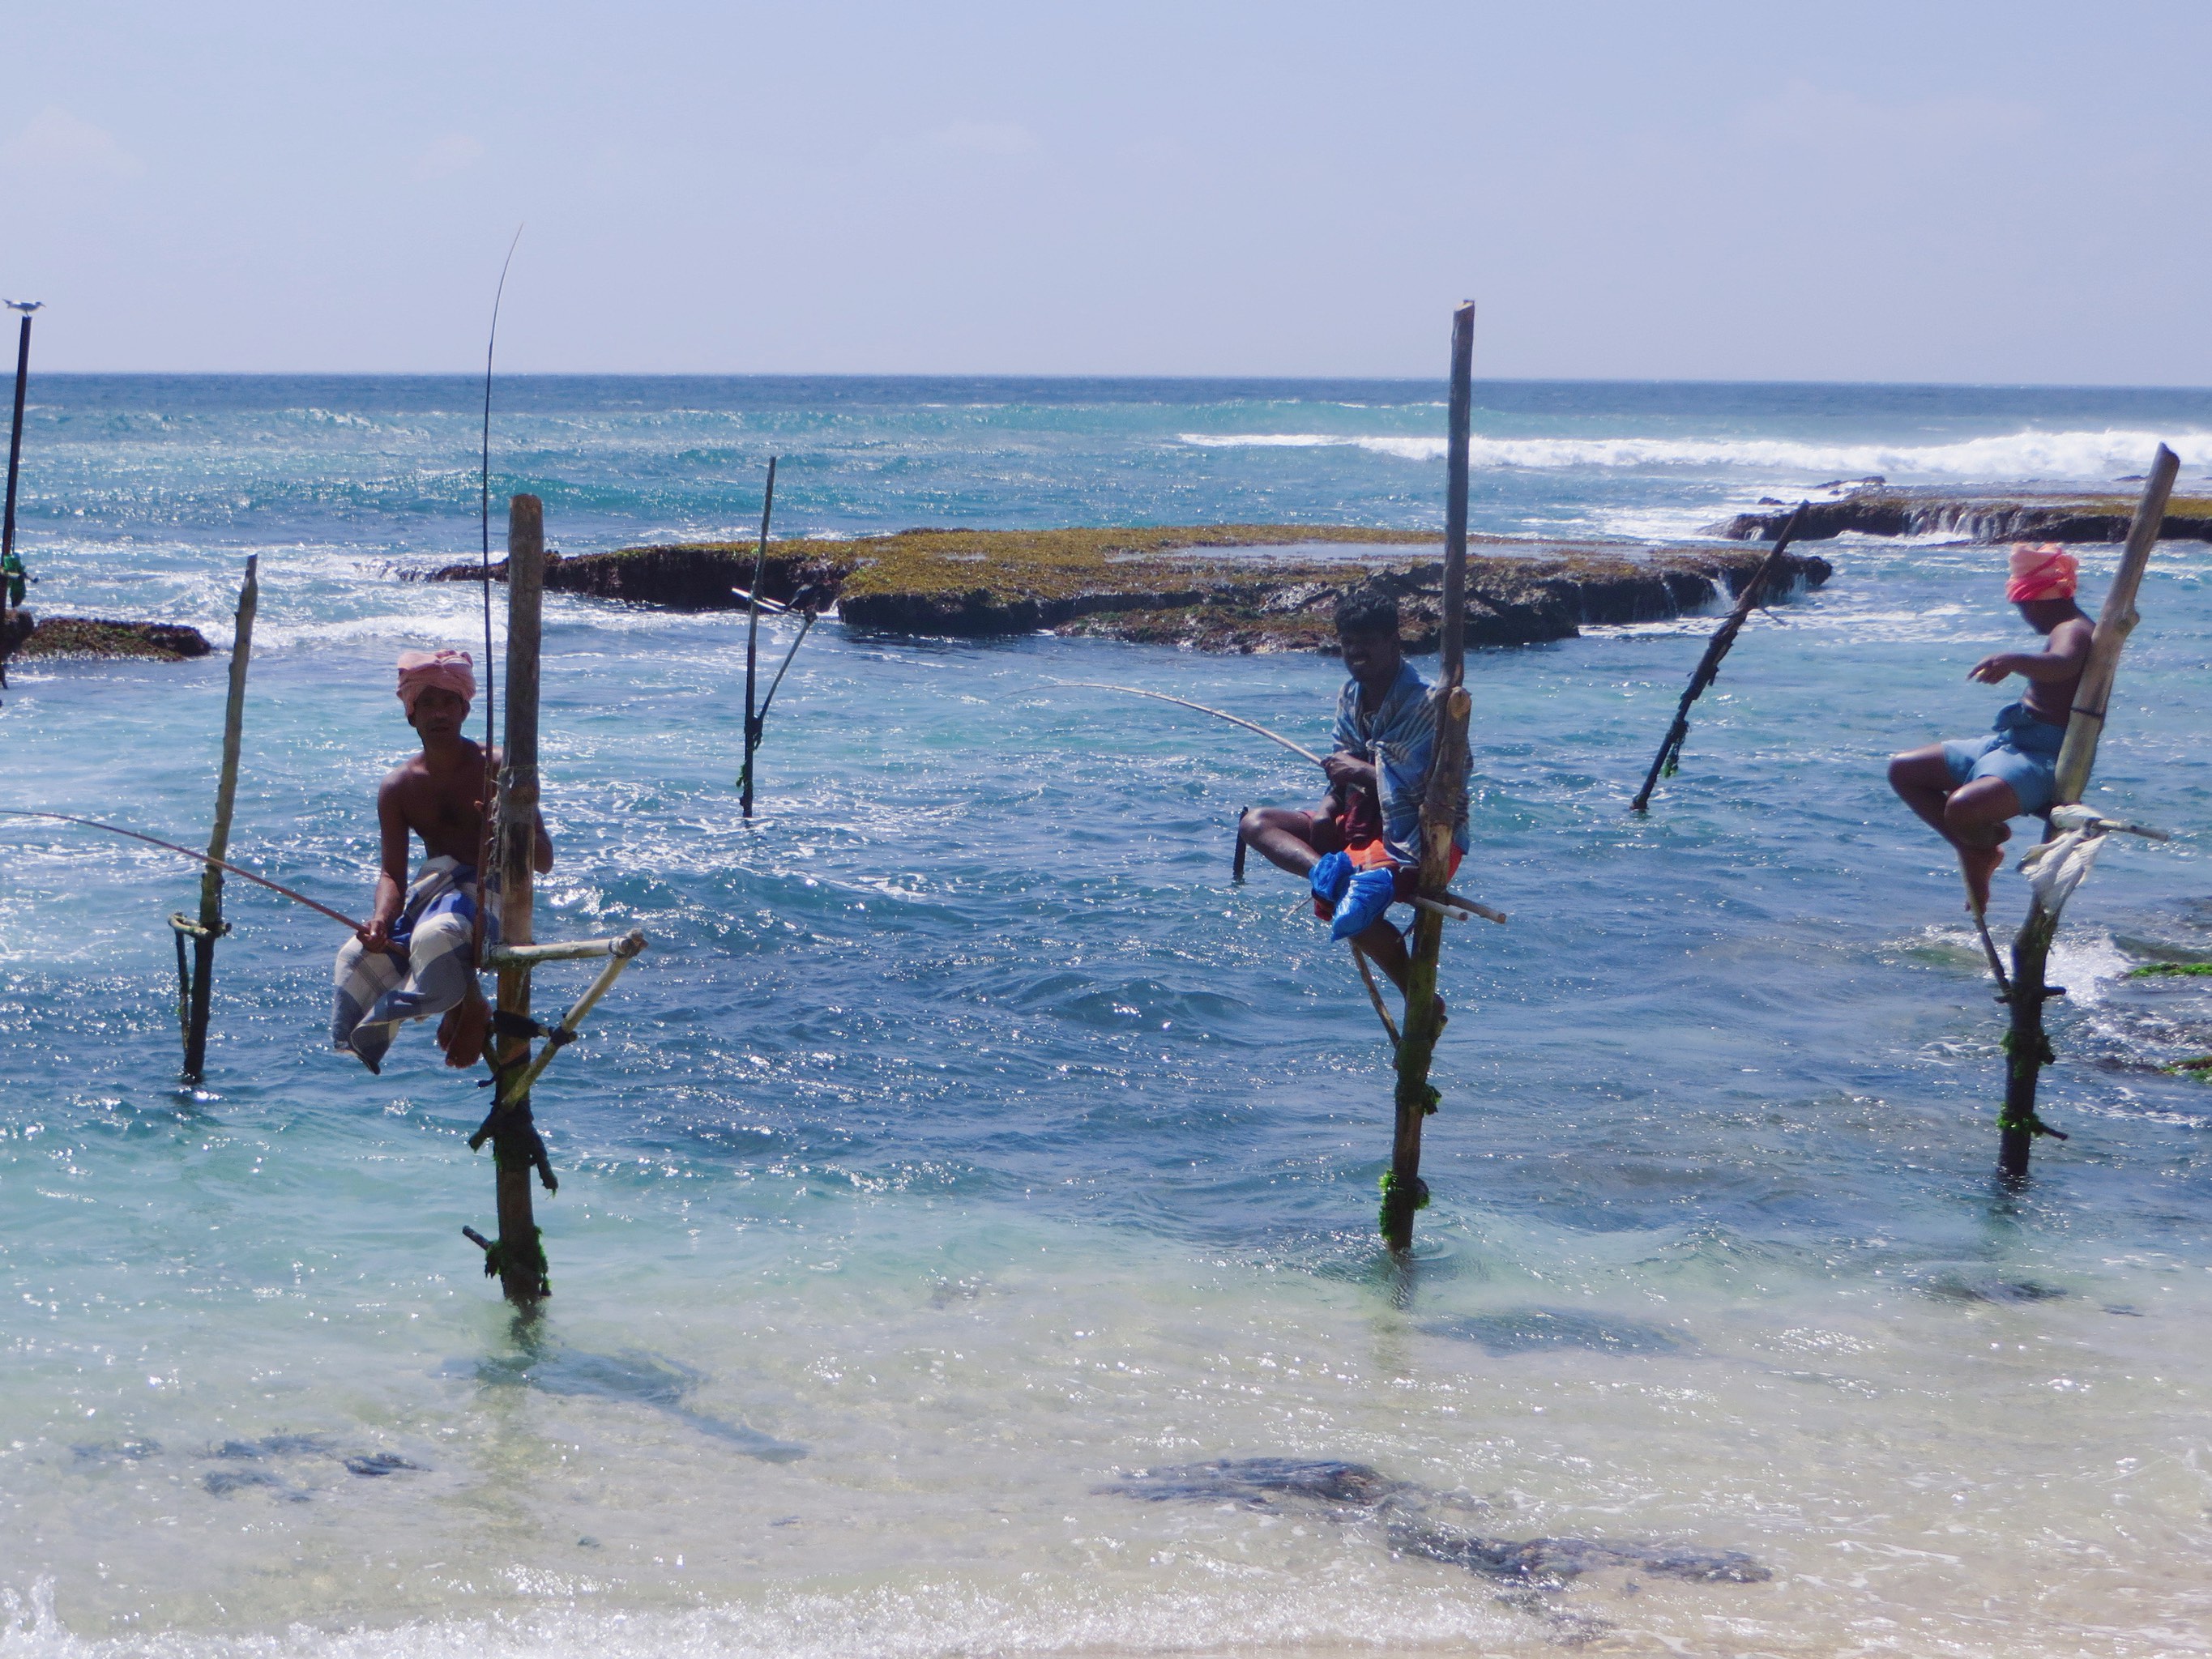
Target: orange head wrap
point(447, 670)
point(2041, 570)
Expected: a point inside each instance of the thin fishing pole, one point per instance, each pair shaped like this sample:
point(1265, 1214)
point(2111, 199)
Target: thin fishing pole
point(490, 677)
point(1219, 713)
point(187, 852)
point(483, 488)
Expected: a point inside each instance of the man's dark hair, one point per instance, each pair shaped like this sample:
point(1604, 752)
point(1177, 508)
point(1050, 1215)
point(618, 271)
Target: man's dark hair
point(1367, 610)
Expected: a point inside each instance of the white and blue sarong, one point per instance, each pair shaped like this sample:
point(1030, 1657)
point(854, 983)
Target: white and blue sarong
point(430, 968)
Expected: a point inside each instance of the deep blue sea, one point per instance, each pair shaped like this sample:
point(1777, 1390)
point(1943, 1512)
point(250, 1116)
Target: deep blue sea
point(967, 1129)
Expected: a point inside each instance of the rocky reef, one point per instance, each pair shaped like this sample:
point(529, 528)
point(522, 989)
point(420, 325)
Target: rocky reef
point(102, 637)
point(1218, 587)
point(1874, 508)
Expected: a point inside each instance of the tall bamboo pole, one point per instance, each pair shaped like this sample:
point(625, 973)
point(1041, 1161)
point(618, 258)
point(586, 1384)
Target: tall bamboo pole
point(15, 467)
point(1403, 1192)
point(210, 928)
point(2027, 1045)
point(521, 1256)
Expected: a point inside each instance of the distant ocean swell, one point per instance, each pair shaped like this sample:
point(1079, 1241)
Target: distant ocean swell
point(2019, 455)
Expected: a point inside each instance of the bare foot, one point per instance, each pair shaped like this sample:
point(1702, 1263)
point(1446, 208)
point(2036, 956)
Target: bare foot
point(461, 1033)
point(1979, 864)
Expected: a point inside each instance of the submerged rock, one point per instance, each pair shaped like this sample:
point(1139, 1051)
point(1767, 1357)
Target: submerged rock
point(1878, 509)
point(637, 1379)
point(1534, 1330)
point(1182, 587)
point(1348, 1492)
point(104, 636)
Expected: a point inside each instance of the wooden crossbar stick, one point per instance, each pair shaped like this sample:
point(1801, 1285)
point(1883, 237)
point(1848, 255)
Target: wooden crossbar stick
point(576, 950)
point(622, 952)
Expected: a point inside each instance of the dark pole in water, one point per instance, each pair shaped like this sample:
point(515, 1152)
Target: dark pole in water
point(752, 645)
point(2027, 1045)
point(1708, 665)
point(200, 986)
point(10, 567)
point(1403, 1191)
point(516, 1149)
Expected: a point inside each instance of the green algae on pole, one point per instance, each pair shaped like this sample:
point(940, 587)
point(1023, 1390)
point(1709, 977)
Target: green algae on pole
point(198, 986)
point(2026, 1044)
point(1403, 1192)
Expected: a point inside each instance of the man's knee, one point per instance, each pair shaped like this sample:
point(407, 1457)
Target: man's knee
point(1980, 807)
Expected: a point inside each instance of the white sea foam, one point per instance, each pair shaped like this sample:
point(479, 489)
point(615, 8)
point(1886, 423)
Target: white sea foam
point(2109, 453)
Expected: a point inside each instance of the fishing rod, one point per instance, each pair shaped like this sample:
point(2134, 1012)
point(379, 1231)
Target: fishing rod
point(1219, 713)
point(1446, 901)
point(200, 857)
point(484, 527)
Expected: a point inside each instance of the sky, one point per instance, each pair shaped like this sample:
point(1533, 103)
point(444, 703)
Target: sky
point(1944, 191)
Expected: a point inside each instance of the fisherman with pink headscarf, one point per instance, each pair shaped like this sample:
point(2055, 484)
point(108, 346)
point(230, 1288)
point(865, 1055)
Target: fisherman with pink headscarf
point(1967, 789)
point(415, 957)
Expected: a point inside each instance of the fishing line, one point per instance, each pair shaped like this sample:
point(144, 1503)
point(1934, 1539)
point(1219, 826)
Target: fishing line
point(484, 526)
point(200, 857)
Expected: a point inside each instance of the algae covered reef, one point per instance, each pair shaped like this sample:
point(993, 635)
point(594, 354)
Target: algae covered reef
point(101, 636)
point(1874, 508)
point(1213, 588)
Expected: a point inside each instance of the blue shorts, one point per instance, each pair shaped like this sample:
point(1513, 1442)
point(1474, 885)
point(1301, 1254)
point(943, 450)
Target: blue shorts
point(2022, 750)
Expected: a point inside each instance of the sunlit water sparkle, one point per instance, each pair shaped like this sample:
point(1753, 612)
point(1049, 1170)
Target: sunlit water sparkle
point(966, 1128)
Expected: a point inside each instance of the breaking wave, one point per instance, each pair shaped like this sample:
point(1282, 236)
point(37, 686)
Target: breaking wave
point(2019, 455)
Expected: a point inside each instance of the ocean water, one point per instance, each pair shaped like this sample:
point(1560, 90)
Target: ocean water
point(967, 1143)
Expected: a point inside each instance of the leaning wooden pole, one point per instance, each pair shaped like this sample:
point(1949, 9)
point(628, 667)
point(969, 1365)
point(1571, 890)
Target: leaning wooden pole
point(752, 646)
point(2027, 1045)
point(8, 566)
point(516, 1150)
point(1403, 1191)
point(201, 990)
point(1718, 645)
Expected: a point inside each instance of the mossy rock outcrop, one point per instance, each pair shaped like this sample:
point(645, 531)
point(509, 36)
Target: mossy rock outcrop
point(1877, 509)
point(1211, 587)
point(106, 636)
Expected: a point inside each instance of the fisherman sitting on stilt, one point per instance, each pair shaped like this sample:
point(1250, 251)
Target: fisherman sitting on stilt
point(1360, 847)
point(418, 958)
point(1968, 787)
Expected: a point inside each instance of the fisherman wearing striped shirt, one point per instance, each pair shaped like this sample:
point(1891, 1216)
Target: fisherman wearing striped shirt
point(1360, 847)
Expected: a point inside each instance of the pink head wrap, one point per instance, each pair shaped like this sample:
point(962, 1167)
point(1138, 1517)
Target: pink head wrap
point(2041, 570)
point(445, 671)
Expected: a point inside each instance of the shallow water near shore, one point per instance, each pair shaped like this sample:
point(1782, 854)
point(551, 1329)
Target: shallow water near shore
point(966, 1142)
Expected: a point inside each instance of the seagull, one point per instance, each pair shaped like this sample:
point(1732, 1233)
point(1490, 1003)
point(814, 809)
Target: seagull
point(27, 307)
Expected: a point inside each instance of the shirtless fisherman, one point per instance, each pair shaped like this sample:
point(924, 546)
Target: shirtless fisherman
point(1968, 787)
point(1360, 847)
point(416, 958)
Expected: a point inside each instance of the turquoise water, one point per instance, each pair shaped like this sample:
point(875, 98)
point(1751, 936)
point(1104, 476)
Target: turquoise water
point(967, 1130)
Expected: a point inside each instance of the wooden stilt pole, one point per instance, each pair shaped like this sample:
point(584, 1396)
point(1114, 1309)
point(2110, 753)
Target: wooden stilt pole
point(1708, 665)
point(1403, 1192)
point(1237, 858)
point(517, 1151)
point(752, 646)
point(2027, 1045)
point(200, 988)
point(9, 568)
